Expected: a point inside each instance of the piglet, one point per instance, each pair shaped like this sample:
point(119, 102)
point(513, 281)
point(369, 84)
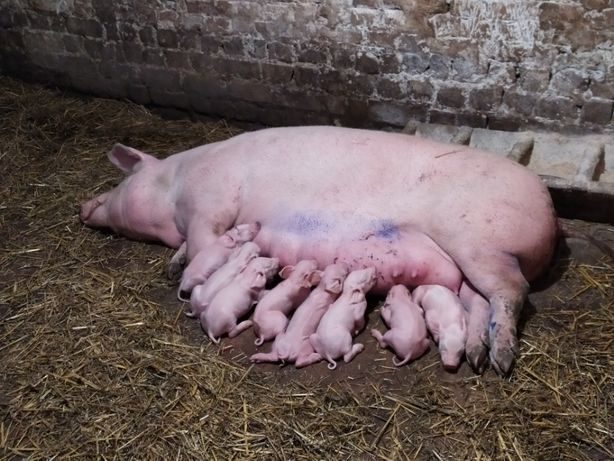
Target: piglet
point(343, 320)
point(293, 344)
point(271, 314)
point(445, 319)
point(203, 294)
point(207, 261)
point(236, 299)
point(407, 335)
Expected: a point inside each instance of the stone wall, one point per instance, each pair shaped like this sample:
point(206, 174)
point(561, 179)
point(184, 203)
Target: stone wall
point(502, 64)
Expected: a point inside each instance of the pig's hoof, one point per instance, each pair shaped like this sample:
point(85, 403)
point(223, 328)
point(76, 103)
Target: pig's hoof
point(503, 354)
point(174, 271)
point(476, 356)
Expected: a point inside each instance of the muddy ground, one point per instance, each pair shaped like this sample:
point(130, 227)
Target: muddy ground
point(98, 360)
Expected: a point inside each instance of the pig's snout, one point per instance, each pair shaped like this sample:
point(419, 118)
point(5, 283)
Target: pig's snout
point(92, 213)
point(450, 360)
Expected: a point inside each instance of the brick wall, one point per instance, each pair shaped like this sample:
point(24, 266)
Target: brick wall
point(503, 64)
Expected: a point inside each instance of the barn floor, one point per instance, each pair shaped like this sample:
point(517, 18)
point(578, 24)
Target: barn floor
point(97, 359)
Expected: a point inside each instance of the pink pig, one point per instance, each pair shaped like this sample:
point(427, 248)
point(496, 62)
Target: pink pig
point(236, 299)
point(407, 335)
point(214, 256)
point(271, 314)
point(202, 295)
point(293, 344)
point(445, 319)
point(343, 320)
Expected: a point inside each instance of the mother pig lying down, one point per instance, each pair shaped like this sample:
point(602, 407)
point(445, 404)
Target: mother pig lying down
point(367, 198)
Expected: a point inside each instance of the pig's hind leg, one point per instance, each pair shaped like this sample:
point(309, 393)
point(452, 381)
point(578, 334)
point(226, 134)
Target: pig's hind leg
point(240, 328)
point(498, 277)
point(379, 337)
point(265, 357)
point(306, 360)
point(354, 351)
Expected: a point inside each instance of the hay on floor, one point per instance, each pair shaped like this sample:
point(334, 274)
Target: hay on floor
point(95, 360)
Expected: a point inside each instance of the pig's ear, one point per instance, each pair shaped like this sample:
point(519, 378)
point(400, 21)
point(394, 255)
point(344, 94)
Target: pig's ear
point(127, 158)
point(259, 280)
point(315, 277)
point(228, 241)
point(286, 272)
point(357, 296)
point(310, 279)
point(335, 286)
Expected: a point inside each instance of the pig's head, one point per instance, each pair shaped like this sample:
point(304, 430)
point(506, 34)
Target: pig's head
point(333, 277)
point(305, 273)
point(359, 282)
point(260, 270)
point(452, 348)
point(240, 234)
point(244, 254)
point(398, 293)
point(139, 207)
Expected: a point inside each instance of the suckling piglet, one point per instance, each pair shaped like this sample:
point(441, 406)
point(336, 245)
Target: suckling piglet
point(214, 256)
point(236, 299)
point(407, 335)
point(445, 319)
point(271, 315)
point(343, 320)
point(293, 344)
point(203, 294)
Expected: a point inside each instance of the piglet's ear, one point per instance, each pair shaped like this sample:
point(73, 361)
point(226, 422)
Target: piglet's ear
point(227, 241)
point(259, 280)
point(286, 272)
point(127, 158)
point(315, 277)
point(335, 286)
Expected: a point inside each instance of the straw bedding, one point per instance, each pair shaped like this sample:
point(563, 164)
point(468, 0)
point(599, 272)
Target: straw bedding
point(97, 359)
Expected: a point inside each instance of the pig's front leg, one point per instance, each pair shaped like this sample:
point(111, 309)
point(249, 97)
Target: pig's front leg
point(476, 346)
point(359, 317)
point(385, 312)
point(497, 276)
point(177, 263)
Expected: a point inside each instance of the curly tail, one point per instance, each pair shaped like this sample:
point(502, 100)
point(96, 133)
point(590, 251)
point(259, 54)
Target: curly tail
point(402, 362)
point(259, 341)
point(331, 363)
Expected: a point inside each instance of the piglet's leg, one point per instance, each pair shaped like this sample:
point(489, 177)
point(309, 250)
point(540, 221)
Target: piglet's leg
point(379, 337)
point(240, 328)
point(476, 346)
point(306, 360)
point(356, 349)
point(265, 357)
point(177, 262)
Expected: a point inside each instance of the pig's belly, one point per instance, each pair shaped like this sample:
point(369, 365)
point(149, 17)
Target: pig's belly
point(400, 255)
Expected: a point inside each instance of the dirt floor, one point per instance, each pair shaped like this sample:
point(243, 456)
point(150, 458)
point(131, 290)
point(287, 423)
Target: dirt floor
point(98, 360)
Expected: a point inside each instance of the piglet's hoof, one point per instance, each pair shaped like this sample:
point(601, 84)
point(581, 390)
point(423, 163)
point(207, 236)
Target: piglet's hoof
point(175, 269)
